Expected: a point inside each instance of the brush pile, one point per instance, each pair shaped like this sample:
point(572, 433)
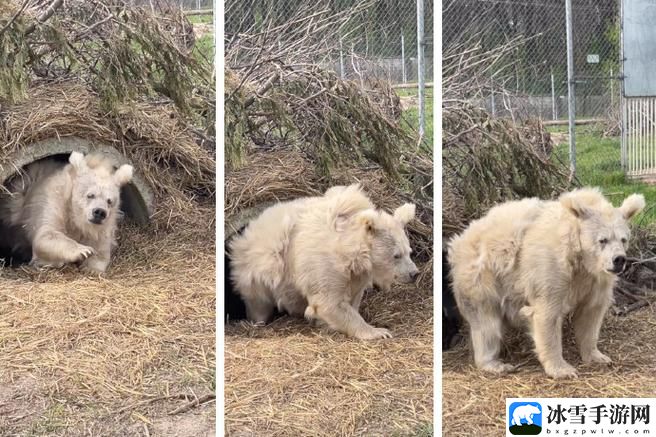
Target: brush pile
point(488, 160)
point(125, 75)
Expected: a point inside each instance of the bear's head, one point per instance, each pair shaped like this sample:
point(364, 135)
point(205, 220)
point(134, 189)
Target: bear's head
point(96, 187)
point(603, 230)
point(390, 247)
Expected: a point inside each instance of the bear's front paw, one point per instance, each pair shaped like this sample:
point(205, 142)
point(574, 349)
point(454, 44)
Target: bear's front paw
point(92, 270)
point(374, 333)
point(496, 366)
point(595, 357)
point(561, 370)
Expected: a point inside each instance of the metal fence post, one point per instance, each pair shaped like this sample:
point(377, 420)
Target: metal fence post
point(420, 65)
point(612, 90)
point(570, 87)
point(403, 75)
point(554, 112)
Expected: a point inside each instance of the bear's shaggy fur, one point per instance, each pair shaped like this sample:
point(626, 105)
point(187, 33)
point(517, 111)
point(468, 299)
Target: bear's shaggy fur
point(68, 213)
point(534, 262)
point(315, 257)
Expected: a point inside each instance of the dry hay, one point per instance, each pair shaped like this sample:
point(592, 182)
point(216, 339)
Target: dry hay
point(473, 402)
point(112, 354)
point(289, 378)
point(112, 72)
point(164, 149)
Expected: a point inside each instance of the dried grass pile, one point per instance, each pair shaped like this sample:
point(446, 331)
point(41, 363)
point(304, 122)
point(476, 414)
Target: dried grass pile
point(474, 402)
point(294, 129)
point(117, 355)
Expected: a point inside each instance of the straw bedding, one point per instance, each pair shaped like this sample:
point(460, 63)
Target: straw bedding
point(474, 402)
point(289, 378)
point(98, 352)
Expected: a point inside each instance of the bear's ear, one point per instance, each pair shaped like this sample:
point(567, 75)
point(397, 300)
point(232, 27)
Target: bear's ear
point(123, 175)
point(571, 203)
point(77, 161)
point(368, 219)
point(632, 205)
point(405, 213)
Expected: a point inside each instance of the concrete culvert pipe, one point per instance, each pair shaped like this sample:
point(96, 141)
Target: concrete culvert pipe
point(136, 197)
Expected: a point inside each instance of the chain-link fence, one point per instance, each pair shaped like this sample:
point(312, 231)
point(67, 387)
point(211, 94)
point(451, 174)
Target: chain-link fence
point(195, 4)
point(187, 5)
point(531, 78)
point(379, 40)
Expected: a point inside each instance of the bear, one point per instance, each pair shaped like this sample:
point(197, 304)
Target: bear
point(68, 212)
point(315, 256)
point(525, 412)
point(531, 263)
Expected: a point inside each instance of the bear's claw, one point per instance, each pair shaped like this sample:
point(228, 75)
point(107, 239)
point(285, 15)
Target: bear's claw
point(374, 334)
point(85, 252)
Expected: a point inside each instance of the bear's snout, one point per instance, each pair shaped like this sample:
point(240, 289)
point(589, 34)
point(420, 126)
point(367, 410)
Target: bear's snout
point(410, 276)
point(98, 215)
point(619, 262)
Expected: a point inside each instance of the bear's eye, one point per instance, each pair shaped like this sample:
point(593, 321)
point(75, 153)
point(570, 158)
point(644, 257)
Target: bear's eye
point(397, 256)
point(623, 240)
point(109, 202)
point(603, 241)
point(91, 196)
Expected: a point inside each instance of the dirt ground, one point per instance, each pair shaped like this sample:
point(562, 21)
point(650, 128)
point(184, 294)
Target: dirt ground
point(115, 356)
point(290, 378)
point(473, 402)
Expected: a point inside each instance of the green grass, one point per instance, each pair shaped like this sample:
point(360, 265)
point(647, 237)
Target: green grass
point(50, 422)
point(204, 47)
point(598, 164)
point(197, 19)
point(412, 115)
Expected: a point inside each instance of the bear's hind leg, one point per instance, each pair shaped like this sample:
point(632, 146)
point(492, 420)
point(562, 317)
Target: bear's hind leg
point(486, 333)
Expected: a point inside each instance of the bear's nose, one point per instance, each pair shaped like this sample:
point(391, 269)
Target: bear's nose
point(618, 263)
point(99, 214)
point(414, 275)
